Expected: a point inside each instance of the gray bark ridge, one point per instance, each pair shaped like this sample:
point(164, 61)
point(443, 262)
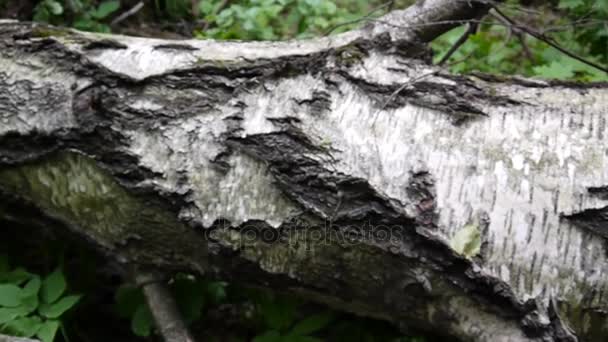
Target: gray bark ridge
point(341, 168)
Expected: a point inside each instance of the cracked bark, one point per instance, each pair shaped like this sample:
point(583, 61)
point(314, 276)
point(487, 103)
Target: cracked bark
point(464, 206)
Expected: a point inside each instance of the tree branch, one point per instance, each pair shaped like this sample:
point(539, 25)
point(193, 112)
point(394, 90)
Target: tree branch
point(549, 41)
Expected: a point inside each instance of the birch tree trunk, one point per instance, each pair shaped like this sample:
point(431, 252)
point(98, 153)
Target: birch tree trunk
point(345, 169)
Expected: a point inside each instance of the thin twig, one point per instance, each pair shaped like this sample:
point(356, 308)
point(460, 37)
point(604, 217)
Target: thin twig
point(576, 23)
point(389, 4)
point(471, 29)
point(128, 13)
point(550, 42)
point(514, 31)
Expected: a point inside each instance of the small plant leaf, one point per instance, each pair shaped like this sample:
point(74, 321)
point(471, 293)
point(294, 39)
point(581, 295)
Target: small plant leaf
point(29, 304)
point(312, 324)
point(128, 300)
point(54, 7)
point(555, 70)
point(48, 330)
point(10, 295)
point(105, 9)
point(17, 276)
point(141, 324)
point(32, 287)
point(9, 314)
point(269, 336)
point(24, 326)
point(57, 309)
point(299, 338)
point(278, 313)
point(570, 4)
point(53, 286)
point(190, 297)
point(217, 291)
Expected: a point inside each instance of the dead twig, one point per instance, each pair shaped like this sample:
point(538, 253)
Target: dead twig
point(128, 13)
point(471, 29)
point(549, 41)
point(388, 5)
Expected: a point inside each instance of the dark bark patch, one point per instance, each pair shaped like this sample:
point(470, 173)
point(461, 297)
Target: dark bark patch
point(593, 220)
point(320, 102)
point(104, 44)
point(600, 192)
point(176, 47)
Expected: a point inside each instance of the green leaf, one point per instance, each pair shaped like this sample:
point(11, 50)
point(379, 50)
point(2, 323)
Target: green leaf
point(142, 321)
point(570, 4)
point(24, 326)
point(205, 7)
point(10, 295)
point(54, 7)
point(217, 291)
point(269, 336)
point(298, 338)
point(32, 287)
point(190, 297)
point(105, 9)
point(29, 304)
point(128, 300)
point(53, 286)
point(9, 314)
point(48, 330)
point(57, 309)
point(555, 70)
point(278, 313)
point(602, 6)
point(17, 276)
point(467, 241)
point(312, 324)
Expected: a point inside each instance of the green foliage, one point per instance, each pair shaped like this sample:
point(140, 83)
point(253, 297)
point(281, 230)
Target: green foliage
point(191, 295)
point(274, 317)
point(496, 49)
point(31, 306)
point(282, 320)
point(279, 315)
point(364, 330)
point(82, 14)
point(275, 19)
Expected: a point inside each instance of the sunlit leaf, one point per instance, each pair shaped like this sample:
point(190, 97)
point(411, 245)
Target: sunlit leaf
point(54, 7)
point(554, 70)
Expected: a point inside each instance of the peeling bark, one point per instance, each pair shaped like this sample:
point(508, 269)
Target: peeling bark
point(457, 205)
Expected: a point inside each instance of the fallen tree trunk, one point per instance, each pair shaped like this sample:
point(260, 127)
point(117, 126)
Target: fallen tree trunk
point(345, 169)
